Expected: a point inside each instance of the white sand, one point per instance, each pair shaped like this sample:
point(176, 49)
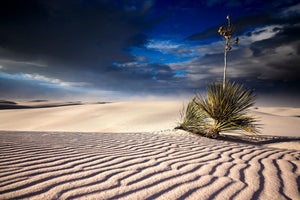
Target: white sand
point(169, 165)
point(280, 121)
point(118, 151)
point(130, 117)
point(112, 117)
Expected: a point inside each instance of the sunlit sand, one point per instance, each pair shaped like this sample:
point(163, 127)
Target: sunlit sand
point(129, 150)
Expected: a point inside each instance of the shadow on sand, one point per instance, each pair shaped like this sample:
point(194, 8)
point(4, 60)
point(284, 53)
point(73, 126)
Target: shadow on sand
point(259, 140)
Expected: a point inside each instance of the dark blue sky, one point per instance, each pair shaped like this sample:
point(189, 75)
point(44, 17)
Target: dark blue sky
point(145, 49)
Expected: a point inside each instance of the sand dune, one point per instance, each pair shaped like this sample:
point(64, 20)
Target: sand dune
point(112, 117)
point(119, 151)
point(128, 117)
point(4, 104)
point(167, 165)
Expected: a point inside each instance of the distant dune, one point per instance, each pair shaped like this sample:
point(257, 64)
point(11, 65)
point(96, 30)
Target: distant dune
point(129, 150)
point(4, 105)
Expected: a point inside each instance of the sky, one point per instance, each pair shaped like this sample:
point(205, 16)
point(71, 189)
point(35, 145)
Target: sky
point(116, 50)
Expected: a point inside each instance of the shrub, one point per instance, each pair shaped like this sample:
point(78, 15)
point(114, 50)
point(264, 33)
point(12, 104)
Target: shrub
point(223, 109)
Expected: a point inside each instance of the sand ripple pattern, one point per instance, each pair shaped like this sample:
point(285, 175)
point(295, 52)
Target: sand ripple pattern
point(44, 165)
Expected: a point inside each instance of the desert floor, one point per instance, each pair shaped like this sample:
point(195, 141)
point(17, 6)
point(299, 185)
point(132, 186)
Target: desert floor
point(129, 150)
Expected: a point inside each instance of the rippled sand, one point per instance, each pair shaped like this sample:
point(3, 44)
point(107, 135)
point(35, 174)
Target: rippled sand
point(157, 165)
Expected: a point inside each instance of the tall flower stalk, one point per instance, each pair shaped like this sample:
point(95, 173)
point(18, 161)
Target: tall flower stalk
point(226, 32)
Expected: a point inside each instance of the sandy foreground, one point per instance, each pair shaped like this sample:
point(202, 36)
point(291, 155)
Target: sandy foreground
point(129, 150)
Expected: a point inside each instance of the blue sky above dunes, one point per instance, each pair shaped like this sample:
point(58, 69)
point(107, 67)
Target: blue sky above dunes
point(141, 49)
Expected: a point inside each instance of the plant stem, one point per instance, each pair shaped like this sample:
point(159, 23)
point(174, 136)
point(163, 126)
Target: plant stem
point(225, 67)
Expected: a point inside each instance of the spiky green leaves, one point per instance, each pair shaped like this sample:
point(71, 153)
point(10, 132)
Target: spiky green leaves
point(193, 119)
point(223, 109)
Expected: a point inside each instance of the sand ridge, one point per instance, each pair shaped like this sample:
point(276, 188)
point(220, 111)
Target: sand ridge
point(161, 165)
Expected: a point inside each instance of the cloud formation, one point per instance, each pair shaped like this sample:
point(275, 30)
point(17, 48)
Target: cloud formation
point(125, 48)
point(63, 39)
point(268, 51)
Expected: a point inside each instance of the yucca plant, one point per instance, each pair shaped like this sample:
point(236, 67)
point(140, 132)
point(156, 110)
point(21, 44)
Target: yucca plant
point(223, 109)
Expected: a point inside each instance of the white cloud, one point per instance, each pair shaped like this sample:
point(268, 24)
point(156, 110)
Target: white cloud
point(279, 63)
point(261, 33)
point(54, 80)
point(24, 63)
point(162, 45)
point(258, 34)
point(131, 65)
point(293, 10)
